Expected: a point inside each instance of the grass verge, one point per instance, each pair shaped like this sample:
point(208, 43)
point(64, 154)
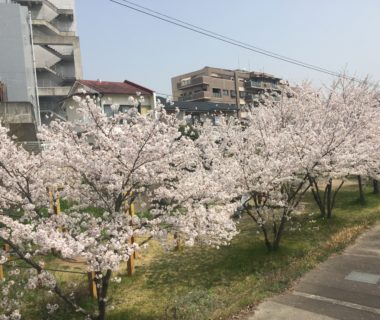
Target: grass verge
point(205, 283)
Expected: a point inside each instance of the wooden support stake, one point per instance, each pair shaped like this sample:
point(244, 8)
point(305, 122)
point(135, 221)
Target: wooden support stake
point(131, 260)
point(55, 205)
point(177, 240)
point(92, 285)
point(6, 248)
point(58, 205)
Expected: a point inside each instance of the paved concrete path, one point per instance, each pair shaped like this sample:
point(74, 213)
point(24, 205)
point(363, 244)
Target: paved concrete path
point(345, 287)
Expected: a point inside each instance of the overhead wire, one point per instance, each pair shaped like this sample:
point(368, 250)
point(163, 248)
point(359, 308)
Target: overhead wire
point(191, 27)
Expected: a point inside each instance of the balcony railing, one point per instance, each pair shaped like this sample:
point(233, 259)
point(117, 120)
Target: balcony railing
point(261, 85)
point(193, 82)
point(204, 95)
point(252, 97)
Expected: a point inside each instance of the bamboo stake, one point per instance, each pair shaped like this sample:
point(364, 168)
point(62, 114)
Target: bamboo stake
point(6, 248)
point(55, 205)
point(177, 240)
point(2, 277)
point(131, 260)
point(92, 285)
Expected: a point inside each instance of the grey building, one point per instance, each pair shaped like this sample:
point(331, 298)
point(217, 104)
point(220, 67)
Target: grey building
point(56, 50)
point(218, 85)
point(17, 77)
point(198, 112)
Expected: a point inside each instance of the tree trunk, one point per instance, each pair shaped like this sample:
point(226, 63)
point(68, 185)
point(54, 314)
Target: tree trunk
point(102, 303)
point(267, 241)
point(376, 189)
point(318, 200)
point(328, 203)
point(317, 196)
point(325, 199)
point(278, 236)
point(361, 191)
point(119, 202)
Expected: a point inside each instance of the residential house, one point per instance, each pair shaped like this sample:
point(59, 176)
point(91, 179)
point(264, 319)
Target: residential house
point(107, 94)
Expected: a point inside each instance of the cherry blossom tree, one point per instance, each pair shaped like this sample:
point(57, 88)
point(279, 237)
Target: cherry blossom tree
point(261, 167)
point(193, 187)
point(348, 134)
point(105, 164)
point(283, 149)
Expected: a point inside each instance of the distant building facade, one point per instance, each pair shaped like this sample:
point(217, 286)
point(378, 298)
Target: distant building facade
point(110, 96)
point(56, 50)
point(198, 112)
point(17, 77)
point(218, 85)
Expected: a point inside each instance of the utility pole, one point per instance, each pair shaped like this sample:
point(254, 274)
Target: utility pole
point(236, 77)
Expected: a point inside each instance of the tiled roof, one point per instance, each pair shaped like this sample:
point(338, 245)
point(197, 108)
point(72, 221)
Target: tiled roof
point(126, 87)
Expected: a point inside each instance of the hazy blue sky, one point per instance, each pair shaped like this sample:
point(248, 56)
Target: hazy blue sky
point(118, 44)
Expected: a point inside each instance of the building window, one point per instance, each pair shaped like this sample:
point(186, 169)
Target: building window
point(256, 83)
point(108, 110)
point(216, 92)
point(225, 92)
point(185, 82)
point(111, 110)
point(242, 94)
point(233, 93)
point(125, 108)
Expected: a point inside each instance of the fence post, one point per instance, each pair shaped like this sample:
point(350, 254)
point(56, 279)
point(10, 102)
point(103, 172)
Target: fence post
point(177, 241)
point(1, 272)
point(55, 205)
point(92, 285)
point(131, 260)
point(6, 248)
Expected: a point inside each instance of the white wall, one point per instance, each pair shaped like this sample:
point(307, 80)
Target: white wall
point(120, 99)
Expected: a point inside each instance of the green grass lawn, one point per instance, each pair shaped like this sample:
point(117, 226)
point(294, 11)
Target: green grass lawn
point(205, 283)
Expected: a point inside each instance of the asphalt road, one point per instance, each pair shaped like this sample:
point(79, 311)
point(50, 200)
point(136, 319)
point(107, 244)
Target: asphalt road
point(345, 287)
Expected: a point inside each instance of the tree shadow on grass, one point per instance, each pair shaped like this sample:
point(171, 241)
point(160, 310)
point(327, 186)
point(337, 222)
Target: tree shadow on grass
point(195, 282)
point(201, 267)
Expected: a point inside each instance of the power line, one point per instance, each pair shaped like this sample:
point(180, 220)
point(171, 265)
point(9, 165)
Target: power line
point(227, 38)
point(191, 27)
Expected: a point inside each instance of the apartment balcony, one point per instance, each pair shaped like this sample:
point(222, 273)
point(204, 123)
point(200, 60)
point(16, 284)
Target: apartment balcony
point(193, 82)
point(202, 95)
point(251, 84)
point(252, 97)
